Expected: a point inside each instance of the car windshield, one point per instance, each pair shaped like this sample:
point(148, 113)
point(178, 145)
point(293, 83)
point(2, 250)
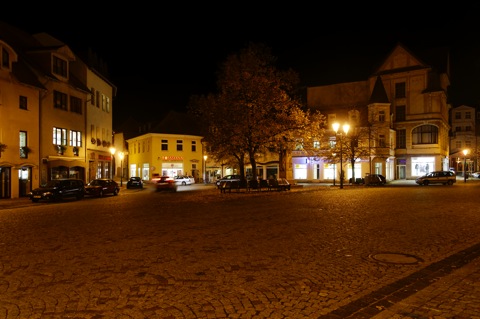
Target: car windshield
point(97, 183)
point(52, 183)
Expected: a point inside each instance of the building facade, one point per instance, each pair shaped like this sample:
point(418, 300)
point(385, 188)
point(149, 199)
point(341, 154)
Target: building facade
point(44, 89)
point(464, 143)
point(404, 106)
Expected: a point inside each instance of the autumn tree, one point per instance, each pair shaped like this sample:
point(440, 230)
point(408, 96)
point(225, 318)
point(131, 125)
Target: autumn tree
point(255, 110)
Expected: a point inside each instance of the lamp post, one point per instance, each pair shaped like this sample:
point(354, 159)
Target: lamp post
point(465, 152)
point(121, 168)
point(345, 128)
point(204, 168)
point(334, 170)
point(112, 151)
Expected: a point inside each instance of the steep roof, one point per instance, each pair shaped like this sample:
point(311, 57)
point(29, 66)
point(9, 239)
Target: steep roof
point(379, 95)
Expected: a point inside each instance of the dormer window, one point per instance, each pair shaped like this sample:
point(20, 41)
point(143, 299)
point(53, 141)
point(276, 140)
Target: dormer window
point(5, 59)
point(60, 67)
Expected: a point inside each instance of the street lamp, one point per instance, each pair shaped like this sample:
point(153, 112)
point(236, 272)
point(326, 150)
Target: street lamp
point(121, 168)
point(334, 169)
point(112, 151)
point(345, 128)
point(465, 152)
point(204, 168)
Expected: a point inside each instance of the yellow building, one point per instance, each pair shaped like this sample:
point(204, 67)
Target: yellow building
point(171, 148)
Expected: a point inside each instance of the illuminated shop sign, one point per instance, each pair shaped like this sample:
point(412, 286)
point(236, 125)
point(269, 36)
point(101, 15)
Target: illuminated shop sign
point(172, 158)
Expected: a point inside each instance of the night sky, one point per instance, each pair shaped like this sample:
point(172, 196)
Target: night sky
point(158, 59)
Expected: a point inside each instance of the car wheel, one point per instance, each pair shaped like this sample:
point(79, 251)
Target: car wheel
point(100, 194)
point(115, 193)
point(450, 183)
point(35, 200)
point(184, 183)
point(425, 183)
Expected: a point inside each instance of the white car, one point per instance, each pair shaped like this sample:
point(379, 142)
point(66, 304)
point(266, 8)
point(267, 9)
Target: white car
point(476, 174)
point(184, 180)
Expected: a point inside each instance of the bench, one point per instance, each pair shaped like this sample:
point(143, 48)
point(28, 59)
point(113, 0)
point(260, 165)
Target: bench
point(279, 184)
point(235, 185)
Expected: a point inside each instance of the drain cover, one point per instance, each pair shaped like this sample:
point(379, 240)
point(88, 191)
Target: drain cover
point(395, 258)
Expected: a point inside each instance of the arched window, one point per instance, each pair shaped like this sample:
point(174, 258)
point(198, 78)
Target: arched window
point(425, 134)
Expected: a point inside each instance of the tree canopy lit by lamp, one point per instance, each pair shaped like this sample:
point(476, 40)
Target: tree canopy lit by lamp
point(345, 128)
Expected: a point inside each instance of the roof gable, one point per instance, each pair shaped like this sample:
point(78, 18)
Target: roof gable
point(400, 59)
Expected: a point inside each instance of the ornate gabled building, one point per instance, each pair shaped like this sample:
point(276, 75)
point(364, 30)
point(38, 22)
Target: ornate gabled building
point(404, 109)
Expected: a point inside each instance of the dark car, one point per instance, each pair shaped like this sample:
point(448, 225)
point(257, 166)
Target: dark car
point(228, 178)
point(375, 179)
point(166, 183)
point(135, 182)
point(58, 189)
point(102, 186)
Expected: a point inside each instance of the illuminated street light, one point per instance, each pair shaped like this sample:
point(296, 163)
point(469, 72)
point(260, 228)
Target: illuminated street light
point(345, 128)
point(465, 152)
point(112, 151)
point(121, 168)
point(204, 168)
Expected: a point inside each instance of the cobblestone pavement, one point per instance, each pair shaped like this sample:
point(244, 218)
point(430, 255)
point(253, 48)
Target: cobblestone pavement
point(398, 251)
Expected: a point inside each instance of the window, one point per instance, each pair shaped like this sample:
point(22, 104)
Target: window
point(458, 115)
point(468, 144)
point(23, 144)
point(401, 139)
point(353, 117)
point(179, 145)
point(468, 128)
point(381, 116)
point(458, 144)
point(97, 98)
point(458, 129)
point(107, 101)
point(5, 59)
point(59, 136)
point(75, 105)
point(75, 138)
point(400, 112)
point(316, 144)
point(381, 140)
point(103, 102)
point(425, 134)
point(92, 96)
point(60, 66)
point(400, 90)
point(164, 145)
point(194, 146)
point(23, 102)
point(468, 115)
point(59, 100)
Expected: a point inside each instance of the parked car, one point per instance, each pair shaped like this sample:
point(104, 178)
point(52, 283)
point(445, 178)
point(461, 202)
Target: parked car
point(58, 189)
point(438, 177)
point(166, 183)
point(375, 179)
point(227, 178)
point(184, 180)
point(476, 174)
point(102, 186)
point(135, 182)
